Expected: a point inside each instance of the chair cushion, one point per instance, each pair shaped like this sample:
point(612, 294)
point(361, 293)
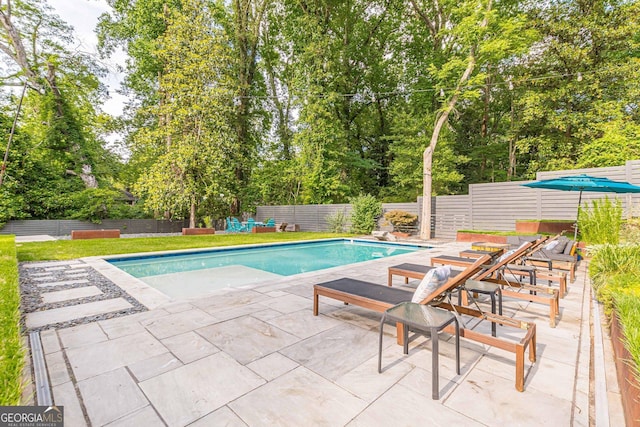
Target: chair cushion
point(569, 248)
point(434, 278)
point(551, 245)
point(559, 248)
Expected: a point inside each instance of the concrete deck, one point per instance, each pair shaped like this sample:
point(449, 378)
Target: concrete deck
point(257, 356)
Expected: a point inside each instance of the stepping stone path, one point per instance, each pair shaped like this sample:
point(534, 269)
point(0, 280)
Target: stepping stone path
point(61, 294)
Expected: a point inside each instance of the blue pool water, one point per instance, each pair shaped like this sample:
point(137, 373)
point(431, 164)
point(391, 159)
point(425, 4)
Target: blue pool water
point(283, 259)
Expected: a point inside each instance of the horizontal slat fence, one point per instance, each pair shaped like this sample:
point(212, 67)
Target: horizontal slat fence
point(491, 206)
point(63, 227)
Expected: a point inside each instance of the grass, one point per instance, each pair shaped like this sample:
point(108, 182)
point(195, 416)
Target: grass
point(59, 250)
point(11, 350)
point(615, 276)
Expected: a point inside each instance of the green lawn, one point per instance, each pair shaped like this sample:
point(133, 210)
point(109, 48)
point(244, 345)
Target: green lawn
point(11, 351)
point(72, 249)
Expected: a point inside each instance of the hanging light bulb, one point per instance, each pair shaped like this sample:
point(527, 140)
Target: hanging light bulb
point(441, 92)
point(579, 76)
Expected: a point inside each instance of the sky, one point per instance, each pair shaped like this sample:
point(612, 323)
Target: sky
point(83, 16)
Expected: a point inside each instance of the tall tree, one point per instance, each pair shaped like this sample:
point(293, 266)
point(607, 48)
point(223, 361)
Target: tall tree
point(192, 150)
point(64, 83)
point(470, 35)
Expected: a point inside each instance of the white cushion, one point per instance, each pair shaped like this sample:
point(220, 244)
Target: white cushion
point(434, 278)
point(551, 245)
point(506, 255)
point(512, 251)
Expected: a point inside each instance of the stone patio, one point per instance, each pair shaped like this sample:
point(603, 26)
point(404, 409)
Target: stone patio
point(257, 356)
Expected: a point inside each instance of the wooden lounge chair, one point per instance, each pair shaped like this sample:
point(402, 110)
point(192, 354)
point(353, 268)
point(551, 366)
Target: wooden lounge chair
point(562, 257)
point(380, 298)
point(497, 273)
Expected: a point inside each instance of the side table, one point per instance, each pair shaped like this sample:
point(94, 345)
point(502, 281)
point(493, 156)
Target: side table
point(425, 319)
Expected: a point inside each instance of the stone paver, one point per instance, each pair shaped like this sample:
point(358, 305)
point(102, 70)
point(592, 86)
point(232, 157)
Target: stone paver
point(257, 356)
point(189, 346)
point(110, 396)
point(146, 417)
point(247, 339)
point(63, 314)
point(69, 294)
point(189, 392)
point(278, 402)
point(95, 359)
point(65, 395)
point(50, 284)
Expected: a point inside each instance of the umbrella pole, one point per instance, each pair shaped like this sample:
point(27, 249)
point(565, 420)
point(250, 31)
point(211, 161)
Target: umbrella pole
point(575, 228)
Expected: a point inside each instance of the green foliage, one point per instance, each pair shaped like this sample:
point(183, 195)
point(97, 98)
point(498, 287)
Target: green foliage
point(627, 303)
point(337, 221)
point(95, 205)
point(610, 260)
point(615, 275)
point(11, 350)
point(631, 231)
point(400, 219)
point(602, 223)
point(191, 154)
point(366, 209)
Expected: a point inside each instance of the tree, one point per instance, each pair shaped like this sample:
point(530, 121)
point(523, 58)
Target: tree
point(62, 82)
point(192, 152)
point(469, 35)
point(579, 84)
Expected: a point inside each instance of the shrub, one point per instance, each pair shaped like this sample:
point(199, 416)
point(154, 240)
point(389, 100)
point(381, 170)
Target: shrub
point(366, 210)
point(631, 231)
point(11, 350)
point(400, 219)
point(602, 223)
point(612, 260)
point(627, 305)
point(337, 222)
point(615, 276)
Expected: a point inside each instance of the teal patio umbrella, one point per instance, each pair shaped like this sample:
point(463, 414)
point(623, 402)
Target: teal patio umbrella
point(584, 183)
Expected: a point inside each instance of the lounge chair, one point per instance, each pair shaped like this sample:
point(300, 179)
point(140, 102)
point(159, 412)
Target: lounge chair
point(270, 223)
point(557, 255)
point(250, 224)
point(497, 274)
point(380, 298)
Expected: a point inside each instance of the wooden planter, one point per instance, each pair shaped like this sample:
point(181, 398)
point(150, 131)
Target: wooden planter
point(535, 227)
point(197, 231)
point(629, 387)
point(94, 234)
point(263, 230)
point(479, 237)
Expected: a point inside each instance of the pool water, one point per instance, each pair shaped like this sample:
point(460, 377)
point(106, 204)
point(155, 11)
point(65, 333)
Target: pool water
point(192, 273)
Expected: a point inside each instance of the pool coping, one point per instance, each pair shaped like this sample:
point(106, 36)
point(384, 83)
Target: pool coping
point(152, 298)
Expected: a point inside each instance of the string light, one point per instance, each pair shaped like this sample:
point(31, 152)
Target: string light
point(509, 83)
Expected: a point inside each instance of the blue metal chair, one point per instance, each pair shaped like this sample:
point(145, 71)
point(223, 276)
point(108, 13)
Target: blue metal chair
point(237, 225)
point(270, 223)
point(229, 228)
point(250, 224)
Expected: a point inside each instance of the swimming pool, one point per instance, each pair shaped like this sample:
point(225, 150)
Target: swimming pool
point(194, 272)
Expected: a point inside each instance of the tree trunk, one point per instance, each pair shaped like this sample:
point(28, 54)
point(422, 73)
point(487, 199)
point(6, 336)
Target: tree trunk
point(425, 222)
point(192, 215)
